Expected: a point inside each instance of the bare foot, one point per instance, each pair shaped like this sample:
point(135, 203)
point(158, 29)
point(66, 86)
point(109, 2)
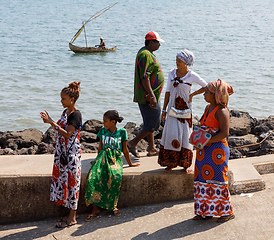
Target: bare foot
point(188, 170)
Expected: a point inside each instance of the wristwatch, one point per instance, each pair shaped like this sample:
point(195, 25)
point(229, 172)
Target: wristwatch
point(57, 127)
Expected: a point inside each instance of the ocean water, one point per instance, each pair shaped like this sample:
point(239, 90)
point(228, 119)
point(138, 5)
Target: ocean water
point(232, 40)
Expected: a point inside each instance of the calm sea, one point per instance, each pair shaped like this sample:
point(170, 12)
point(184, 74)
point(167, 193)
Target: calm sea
point(232, 40)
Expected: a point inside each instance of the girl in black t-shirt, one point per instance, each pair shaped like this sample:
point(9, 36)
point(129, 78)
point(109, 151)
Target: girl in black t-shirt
point(65, 184)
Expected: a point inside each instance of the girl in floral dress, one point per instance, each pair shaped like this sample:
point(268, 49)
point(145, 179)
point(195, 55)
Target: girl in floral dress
point(175, 149)
point(66, 173)
point(105, 174)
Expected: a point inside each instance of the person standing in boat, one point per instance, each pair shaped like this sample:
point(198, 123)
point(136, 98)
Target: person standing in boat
point(148, 85)
point(102, 43)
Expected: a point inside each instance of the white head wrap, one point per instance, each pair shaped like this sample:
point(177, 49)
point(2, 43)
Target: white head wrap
point(187, 57)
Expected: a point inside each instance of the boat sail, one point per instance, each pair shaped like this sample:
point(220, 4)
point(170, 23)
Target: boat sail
point(87, 49)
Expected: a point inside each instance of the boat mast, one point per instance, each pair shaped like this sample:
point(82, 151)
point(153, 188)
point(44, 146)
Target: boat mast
point(90, 19)
point(85, 35)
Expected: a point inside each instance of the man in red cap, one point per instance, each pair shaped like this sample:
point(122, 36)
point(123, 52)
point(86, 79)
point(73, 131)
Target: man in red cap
point(148, 85)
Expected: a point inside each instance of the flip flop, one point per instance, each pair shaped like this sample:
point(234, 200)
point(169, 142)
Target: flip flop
point(59, 224)
point(116, 213)
point(225, 218)
point(90, 217)
point(152, 154)
point(133, 151)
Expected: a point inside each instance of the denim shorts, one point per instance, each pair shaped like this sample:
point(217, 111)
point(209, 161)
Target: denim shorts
point(151, 117)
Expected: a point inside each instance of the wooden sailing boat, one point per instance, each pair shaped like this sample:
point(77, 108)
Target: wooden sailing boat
point(87, 49)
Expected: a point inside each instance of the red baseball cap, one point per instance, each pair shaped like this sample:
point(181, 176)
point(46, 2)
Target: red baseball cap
point(153, 36)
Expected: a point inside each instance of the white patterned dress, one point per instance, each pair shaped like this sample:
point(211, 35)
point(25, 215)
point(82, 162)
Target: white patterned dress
point(65, 184)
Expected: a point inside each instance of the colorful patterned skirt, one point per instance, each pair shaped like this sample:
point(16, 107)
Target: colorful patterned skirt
point(211, 193)
point(104, 180)
point(172, 159)
point(175, 149)
point(65, 181)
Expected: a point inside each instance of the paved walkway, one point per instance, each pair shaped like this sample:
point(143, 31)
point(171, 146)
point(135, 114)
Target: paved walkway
point(254, 220)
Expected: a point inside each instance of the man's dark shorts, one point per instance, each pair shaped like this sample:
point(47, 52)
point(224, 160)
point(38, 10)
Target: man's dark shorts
point(151, 117)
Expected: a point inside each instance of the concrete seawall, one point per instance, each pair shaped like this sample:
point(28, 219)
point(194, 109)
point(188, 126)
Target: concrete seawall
point(25, 182)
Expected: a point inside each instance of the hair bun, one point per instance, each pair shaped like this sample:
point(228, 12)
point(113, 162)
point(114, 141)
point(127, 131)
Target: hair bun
point(120, 119)
point(75, 85)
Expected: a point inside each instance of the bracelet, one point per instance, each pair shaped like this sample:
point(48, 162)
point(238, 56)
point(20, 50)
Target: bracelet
point(151, 97)
point(164, 110)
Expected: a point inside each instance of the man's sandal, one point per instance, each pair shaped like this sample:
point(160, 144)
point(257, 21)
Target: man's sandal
point(133, 151)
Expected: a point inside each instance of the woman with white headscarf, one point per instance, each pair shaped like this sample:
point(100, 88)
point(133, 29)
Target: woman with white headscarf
point(175, 149)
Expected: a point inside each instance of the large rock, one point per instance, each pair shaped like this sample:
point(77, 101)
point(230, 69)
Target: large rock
point(234, 154)
point(241, 123)
point(264, 125)
point(243, 144)
point(26, 151)
point(89, 147)
point(239, 126)
point(49, 136)
point(92, 126)
point(45, 148)
point(142, 146)
point(88, 137)
point(130, 127)
point(21, 139)
point(236, 141)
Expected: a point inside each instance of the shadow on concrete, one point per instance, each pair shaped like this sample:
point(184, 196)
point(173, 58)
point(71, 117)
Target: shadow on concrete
point(105, 219)
point(179, 230)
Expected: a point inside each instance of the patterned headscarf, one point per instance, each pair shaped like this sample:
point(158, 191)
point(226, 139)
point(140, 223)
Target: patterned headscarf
point(186, 56)
point(222, 90)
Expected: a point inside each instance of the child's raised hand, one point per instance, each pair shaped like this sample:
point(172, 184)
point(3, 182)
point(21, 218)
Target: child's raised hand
point(45, 116)
point(135, 165)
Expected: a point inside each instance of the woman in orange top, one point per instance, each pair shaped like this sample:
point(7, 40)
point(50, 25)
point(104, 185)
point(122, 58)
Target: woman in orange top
point(211, 192)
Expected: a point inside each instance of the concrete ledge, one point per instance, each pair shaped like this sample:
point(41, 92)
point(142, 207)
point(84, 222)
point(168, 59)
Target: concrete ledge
point(25, 182)
point(246, 173)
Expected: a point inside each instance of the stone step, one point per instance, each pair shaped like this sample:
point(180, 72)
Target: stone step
point(25, 182)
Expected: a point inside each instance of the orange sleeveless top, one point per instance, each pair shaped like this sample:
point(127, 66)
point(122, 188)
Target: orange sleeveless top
point(210, 120)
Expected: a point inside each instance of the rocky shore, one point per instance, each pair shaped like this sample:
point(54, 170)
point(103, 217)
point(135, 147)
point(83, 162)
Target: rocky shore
point(248, 137)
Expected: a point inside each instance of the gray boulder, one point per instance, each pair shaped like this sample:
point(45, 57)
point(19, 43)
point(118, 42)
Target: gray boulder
point(45, 148)
point(239, 126)
point(21, 139)
point(49, 136)
point(88, 137)
point(92, 126)
point(236, 141)
point(130, 127)
point(234, 154)
point(264, 125)
point(90, 147)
